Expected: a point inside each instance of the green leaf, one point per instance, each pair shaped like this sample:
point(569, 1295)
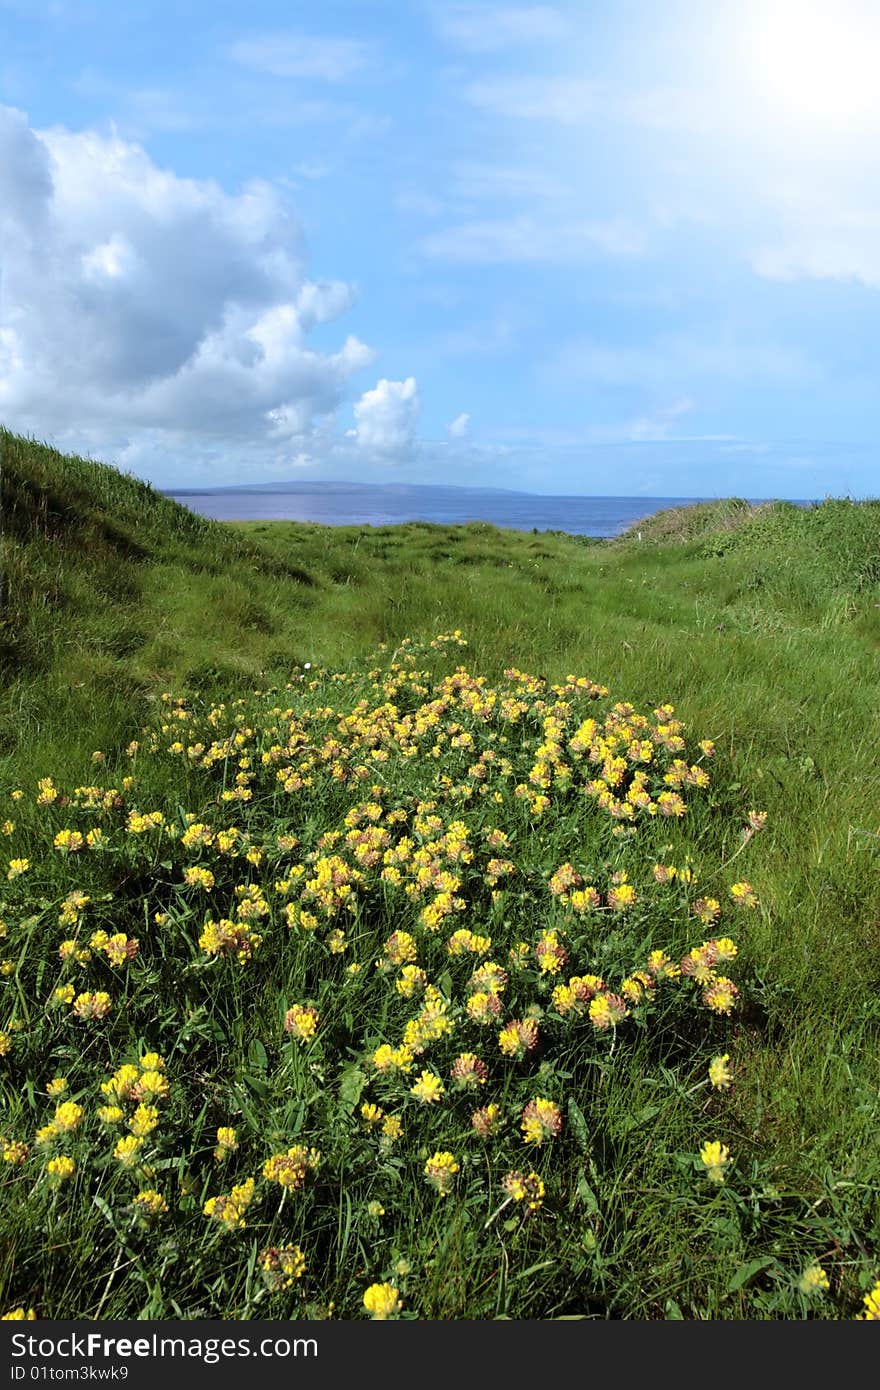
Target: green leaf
point(533, 1269)
point(257, 1085)
point(258, 1058)
point(641, 1117)
point(105, 1211)
point(588, 1197)
point(578, 1125)
point(351, 1087)
point(673, 1312)
point(747, 1272)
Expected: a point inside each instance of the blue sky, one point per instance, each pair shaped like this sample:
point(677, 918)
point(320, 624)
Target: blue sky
point(586, 248)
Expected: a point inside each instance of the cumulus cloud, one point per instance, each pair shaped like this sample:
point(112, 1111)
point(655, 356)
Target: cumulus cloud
point(387, 418)
point(458, 428)
point(138, 301)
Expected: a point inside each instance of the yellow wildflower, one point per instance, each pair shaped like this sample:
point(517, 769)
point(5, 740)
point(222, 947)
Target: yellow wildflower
point(382, 1301)
point(715, 1158)
point(814, 1280)
point(719, 1072)
point(440, 1171)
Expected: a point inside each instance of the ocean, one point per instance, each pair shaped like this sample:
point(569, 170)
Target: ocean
point(364, 504)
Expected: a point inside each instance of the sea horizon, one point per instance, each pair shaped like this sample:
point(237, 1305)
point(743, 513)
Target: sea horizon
point(338, 503)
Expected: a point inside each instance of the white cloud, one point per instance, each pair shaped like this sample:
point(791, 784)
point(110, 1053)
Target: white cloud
point(485, 29)
point(525, 238)
point(137, 304)
point(387, 418)
point(575, 101)
point(826, 243)
point(658, 424)
point(293, 54)
point(477, 180)
point(569, 100)
point(458, 428)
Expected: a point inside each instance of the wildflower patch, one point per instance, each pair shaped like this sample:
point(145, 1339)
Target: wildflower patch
point(375, 955)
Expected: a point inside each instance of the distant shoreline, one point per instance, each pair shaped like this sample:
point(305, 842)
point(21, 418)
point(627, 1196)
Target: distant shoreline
point(374, 504)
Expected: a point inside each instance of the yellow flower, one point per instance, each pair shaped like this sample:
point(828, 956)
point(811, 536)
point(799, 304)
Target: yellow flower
point(57, 1086)
point(301, 1022)
point(541, 1119)
point(68, 1116)
point(150, 1085)
point(61, 1168)
point(743, 894)
point(229, 1208)
point(121, 1084)
point(144, 1120)
point(281, 1266)
point(440, 1171)
point(198, 878)
point(715, 1158)
point(719, 1072)
point(19, 1314)
point(428, 1089)
point(411, 980)
point(150, 1203)
point(227, 1142)
point(111, 1114)
point(290, 1169)
point(813, 1280)
point(517, 1037)
point(69, 841)
point(17, 867)
point(47, 791)
point(607, 1010)
point(871, 1305)
point(127, 1149)
point(528, 1188)
point(392, 1128)
point(90, 1006)
point(720, 995)
point(382, 1301)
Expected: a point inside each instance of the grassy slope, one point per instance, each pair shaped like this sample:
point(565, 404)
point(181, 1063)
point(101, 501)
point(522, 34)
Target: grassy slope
point(762, 628)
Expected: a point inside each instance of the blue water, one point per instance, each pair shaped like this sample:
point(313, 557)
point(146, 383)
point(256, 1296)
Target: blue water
point(359, 504)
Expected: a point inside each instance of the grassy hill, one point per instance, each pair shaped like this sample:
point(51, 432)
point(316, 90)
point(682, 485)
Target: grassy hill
point(761, 626)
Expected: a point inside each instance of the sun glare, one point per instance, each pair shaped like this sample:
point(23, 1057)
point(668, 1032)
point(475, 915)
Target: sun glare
point(819, 59)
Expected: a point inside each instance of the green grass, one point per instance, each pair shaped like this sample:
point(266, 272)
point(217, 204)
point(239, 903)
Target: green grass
point(760, 625)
